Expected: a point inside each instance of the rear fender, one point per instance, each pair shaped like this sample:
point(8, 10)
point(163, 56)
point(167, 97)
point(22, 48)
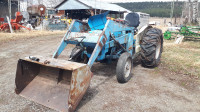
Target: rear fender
point(139, 36)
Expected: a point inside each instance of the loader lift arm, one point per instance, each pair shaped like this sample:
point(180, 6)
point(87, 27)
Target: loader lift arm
point(104, 38)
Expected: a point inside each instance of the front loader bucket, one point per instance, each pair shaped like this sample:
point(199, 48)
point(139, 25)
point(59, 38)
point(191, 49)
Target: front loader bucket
point(57, 84)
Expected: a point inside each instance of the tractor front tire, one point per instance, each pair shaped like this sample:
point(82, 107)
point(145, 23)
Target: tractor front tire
point(124, 67)
point(151, 47)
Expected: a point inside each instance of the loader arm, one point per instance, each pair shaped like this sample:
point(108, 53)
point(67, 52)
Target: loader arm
point(63, 43)
point(75, 26)
point(109, 29)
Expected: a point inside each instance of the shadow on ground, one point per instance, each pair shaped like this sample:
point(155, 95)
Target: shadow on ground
point(107, 71)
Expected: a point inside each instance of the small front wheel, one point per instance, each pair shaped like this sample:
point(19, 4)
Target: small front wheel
point(124, 67)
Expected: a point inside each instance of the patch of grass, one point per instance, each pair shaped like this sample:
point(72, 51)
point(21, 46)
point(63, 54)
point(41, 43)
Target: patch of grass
point(183, 58)
point(4, 37)
point(183, 83)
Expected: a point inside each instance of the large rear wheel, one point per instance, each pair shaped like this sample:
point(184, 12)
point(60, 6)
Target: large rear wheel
point(151, 47)
point(124, 67)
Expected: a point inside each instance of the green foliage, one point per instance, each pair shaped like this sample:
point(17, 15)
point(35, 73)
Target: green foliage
point(155, 9)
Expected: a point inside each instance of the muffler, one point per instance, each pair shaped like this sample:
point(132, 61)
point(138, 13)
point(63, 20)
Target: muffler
point(57, 84)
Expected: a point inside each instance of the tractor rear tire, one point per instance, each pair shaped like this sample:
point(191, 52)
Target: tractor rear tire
point(124, 67)
point(151, 48)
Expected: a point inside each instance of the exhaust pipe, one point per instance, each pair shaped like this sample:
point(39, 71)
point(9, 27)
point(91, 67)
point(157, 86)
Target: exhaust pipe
point(57, 84)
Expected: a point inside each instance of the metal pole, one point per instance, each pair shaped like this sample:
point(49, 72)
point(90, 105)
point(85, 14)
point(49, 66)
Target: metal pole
point(197, 9)
point(18, 5)
point(189, 15)
point(172, 10)
point(11, 30)
point(176, 4)
point(9, 8)
point(95, 8)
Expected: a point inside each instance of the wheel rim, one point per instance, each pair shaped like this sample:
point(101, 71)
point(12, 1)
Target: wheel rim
point(127, 68)
point(158, 47)
point(167, 35)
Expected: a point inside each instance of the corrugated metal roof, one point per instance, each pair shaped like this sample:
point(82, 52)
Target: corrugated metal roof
point(46, 3)
point(103, 5)
point(72, 5)
point(89, 4)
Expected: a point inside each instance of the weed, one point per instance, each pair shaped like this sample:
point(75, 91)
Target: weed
point(183, 58)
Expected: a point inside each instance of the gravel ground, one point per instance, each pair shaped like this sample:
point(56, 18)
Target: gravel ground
point(149, 89)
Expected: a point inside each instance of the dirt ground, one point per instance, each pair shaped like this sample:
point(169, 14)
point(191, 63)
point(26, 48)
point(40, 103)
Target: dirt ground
point(152, 90)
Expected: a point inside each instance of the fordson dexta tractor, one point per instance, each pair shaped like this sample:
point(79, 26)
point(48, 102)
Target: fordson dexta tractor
point(61, 84)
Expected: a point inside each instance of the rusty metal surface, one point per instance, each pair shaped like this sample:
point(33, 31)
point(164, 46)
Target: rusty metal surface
point(45, 90)
point(79, 84)
point(26, 72)
point(63, 64)
point(102, 42)
point(36, 10)
point(53, 84)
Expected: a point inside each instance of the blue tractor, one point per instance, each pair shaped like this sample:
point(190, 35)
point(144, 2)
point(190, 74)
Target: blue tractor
point(61, 84)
